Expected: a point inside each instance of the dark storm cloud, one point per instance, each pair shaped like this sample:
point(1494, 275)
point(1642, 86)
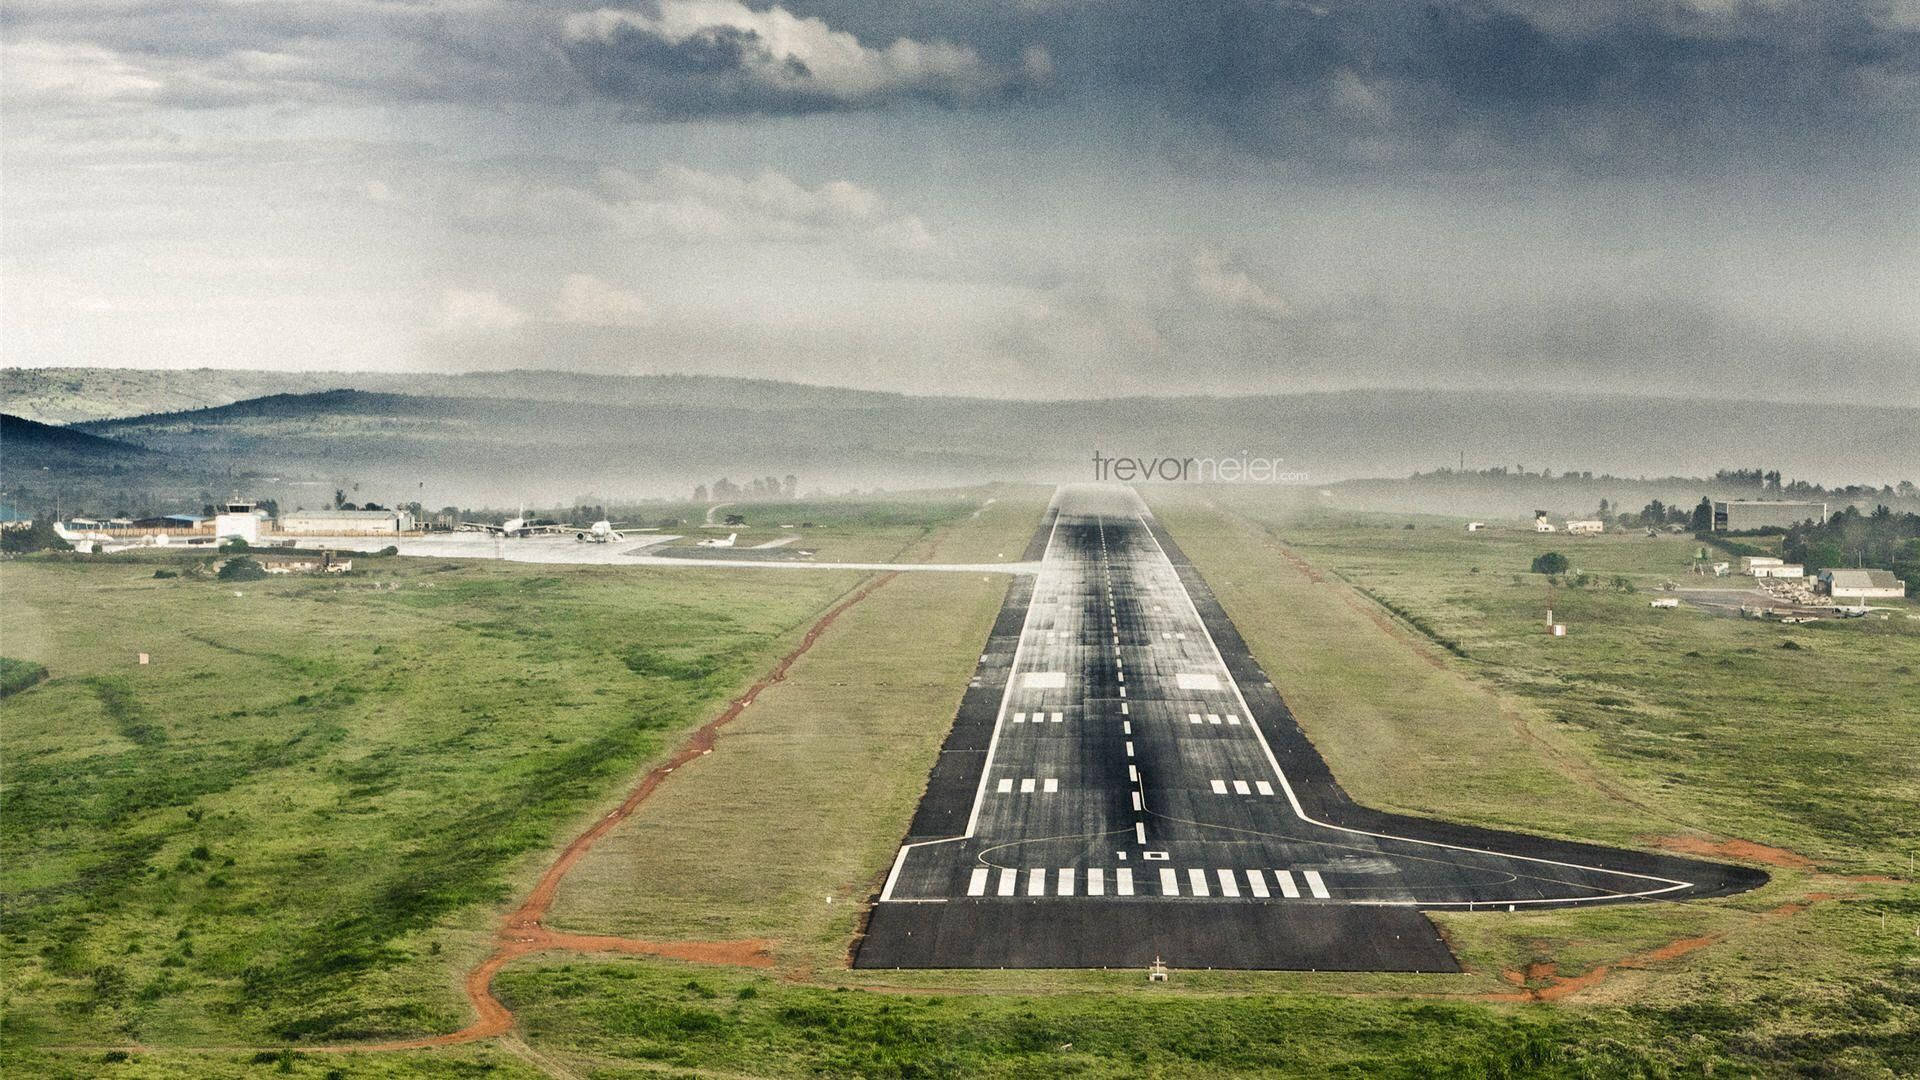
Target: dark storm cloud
point(1384, 82)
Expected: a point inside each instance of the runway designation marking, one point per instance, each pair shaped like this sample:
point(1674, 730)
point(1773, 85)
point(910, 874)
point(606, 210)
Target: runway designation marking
point(1318, 886)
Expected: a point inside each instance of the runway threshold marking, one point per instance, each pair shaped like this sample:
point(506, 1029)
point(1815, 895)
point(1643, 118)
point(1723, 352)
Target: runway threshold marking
point(1314, 883)
point(977, 884)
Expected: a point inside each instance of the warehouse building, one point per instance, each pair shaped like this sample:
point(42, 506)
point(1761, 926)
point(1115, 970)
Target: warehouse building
point(1861, 585)
point(1744, 514)
point(347, 522)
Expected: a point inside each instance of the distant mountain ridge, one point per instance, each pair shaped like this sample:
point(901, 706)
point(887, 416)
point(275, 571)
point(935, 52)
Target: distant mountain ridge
point(82, 395)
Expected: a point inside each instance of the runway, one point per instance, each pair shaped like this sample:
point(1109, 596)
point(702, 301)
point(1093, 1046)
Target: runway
point(1124, 782)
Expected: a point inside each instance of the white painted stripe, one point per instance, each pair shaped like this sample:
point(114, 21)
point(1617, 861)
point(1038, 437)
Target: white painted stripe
point(1228, 886)
point(977, 884)
point(1197, 881)
point(1120, 676)
point(1065, 886)
point(1006, 785)
point(1240, 788)
point(1052, 785)
point(1126, 727)
point(1123, 881)
point(1263, 787)
point(1026, 786)
point(1036, 882)
point(1140, 832)
point(1219, 787)
point(1213, 718)
point(1123, 708)
point(1118, 663)
point(1007, 879)
point(1193, 718)
point(1318, 886)
point(1287, 888)
point(1257, 881)
point(1123, 691)
point(1096, 881)
point(1136, 802)
point(1129, 748)
point(1233, 719)
point(1169, 883)
point(1133, 775)
point(1057, 717)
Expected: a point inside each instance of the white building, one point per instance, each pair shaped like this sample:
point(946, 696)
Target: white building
point(1779, 570)
point(1476, 526)
point(1586, 528)
point(1750, 563)
point(237, 520)
point(347, 522)
point(1541, 524)
point(1861, 585)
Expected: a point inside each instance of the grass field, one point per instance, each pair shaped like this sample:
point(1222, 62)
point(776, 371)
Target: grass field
point(807, 793)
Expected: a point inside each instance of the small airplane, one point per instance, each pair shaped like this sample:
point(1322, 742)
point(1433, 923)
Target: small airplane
point(718, 543)
point(600, 532)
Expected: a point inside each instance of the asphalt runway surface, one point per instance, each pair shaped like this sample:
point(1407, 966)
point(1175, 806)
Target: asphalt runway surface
point(1123, 782)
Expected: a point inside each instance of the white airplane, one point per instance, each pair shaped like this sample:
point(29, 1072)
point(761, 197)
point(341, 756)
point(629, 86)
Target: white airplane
point(600, 532)
point(728, 542)
point(514, 526)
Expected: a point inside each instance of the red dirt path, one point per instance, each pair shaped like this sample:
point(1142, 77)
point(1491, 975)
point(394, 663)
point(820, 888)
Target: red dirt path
point(521, 932)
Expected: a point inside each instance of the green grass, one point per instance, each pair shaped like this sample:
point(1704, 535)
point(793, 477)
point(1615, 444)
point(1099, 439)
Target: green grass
point(296, 822)
point(786, 828)
point(17, 675)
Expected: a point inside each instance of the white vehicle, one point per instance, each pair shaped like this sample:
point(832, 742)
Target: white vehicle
point(600, 532)
point(718, 543)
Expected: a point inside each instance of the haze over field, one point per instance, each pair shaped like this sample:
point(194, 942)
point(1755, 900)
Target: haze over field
point(1034, 199)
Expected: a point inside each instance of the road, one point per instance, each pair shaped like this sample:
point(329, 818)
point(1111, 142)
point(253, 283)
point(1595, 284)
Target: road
point(1123, 782)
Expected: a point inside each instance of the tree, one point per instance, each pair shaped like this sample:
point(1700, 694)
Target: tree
point(790, 486)
point(1605, 509)
point(241, 569)
point(40, 536)
point(1703, 515)
point(699, 493)
point(1551, 563)
point(339, 499)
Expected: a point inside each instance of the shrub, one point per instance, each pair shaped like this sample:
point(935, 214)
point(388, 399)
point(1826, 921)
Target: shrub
point(241, 569)
point(164, 574)
point(1551, 563)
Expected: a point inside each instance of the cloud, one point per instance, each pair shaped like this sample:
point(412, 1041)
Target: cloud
point(680, 203)
point(1213, 280)
point(477, 311)
point(694, 57)
point(585, 300)
point(56, 72)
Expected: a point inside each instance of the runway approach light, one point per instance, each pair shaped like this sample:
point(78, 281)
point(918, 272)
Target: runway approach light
point(1158, 972)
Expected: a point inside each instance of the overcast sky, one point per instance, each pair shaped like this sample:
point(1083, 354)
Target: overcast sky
point(978, 196)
